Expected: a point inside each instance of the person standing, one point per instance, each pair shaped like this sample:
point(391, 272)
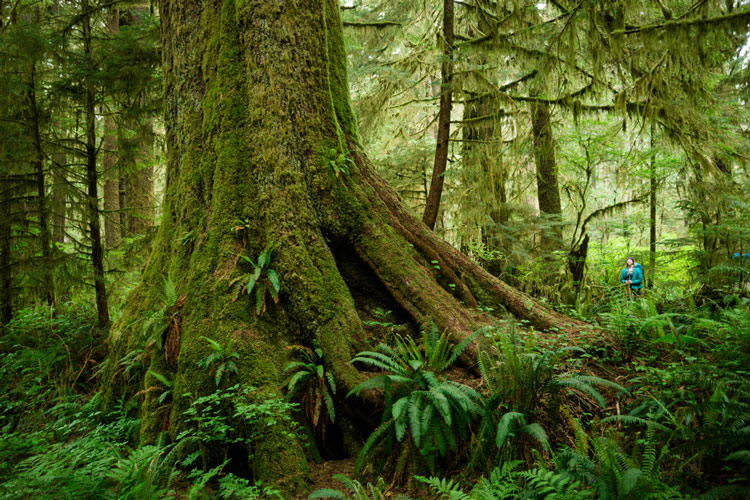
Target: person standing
point(632, 275)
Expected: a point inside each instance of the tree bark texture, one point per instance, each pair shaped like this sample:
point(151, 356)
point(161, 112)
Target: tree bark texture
point(432, 206)
point(482, 133)
point(548, 193)
point(256, 101)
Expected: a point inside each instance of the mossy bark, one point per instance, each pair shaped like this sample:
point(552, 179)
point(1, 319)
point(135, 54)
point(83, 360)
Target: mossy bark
point(548, 194)
point(256, 100)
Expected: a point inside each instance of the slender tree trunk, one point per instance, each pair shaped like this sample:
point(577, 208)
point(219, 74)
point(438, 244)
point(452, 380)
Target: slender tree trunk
point(548, 193)
point(59, 199)
point(444, 120)
point(484, 171)
point(33, 126)
point(6, 276)
point(251, 119)
point(97, 252)
point(652, 217)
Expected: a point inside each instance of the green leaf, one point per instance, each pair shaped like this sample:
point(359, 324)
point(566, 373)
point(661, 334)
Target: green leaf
point(327, 493)
point(399, 408)
point(214, 345)
point(273, 278)
point(331, 382)
point(299, 378)
point(505, 426)
point(400, 422)
point(161, 378)
point(262, 259)
point(251, 281)
point(329, 405)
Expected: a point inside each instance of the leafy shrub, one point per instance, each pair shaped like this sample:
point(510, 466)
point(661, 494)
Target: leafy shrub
point(235, 416)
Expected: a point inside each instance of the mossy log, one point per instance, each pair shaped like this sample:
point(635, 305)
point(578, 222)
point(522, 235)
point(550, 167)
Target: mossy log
point(256, 103)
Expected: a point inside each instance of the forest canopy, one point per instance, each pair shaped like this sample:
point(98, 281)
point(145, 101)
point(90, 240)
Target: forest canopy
point(374, 249)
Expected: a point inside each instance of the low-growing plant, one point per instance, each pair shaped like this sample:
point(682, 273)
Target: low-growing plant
point(221, 360)
point(237, 415)
point(524, 387)
point(435, 411)
point(356, 491)
point(314, 386)
point(263, 280)
point(339, 164)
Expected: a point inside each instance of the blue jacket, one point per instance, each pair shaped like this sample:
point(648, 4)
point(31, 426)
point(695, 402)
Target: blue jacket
point(637, 279)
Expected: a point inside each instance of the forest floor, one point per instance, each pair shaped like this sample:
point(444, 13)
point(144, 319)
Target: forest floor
point(321, 475)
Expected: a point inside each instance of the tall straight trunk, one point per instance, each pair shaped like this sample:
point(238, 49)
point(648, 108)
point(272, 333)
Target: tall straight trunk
point(110, 153)
point(652, 218)
point(33, 125)
point(136, 181)
point(483, 170)
point(112, 212)
point(548, 192)
point(139, 196)
point(6, 276)
point(254, 125)
point(444, 120)
point(59, 198)
point(92, 180)
point(137, 187)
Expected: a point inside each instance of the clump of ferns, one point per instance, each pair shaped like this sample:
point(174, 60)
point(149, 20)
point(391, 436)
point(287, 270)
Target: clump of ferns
point(426, 416)
point(313, 386)
point(157, 382)
point(706, 417)
point(612, 472)
point(155, 327)
point(524, 389)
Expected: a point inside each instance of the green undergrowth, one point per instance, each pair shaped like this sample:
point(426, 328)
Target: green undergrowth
point(57, 442)
point(659, 410)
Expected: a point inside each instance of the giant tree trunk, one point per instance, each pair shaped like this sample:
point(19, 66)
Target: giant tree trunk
point(257, 112)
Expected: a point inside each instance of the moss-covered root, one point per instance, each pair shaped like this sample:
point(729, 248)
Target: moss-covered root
point(486, 288)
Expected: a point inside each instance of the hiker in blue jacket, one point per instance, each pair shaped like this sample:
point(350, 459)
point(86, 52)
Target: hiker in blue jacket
point(632, 275)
